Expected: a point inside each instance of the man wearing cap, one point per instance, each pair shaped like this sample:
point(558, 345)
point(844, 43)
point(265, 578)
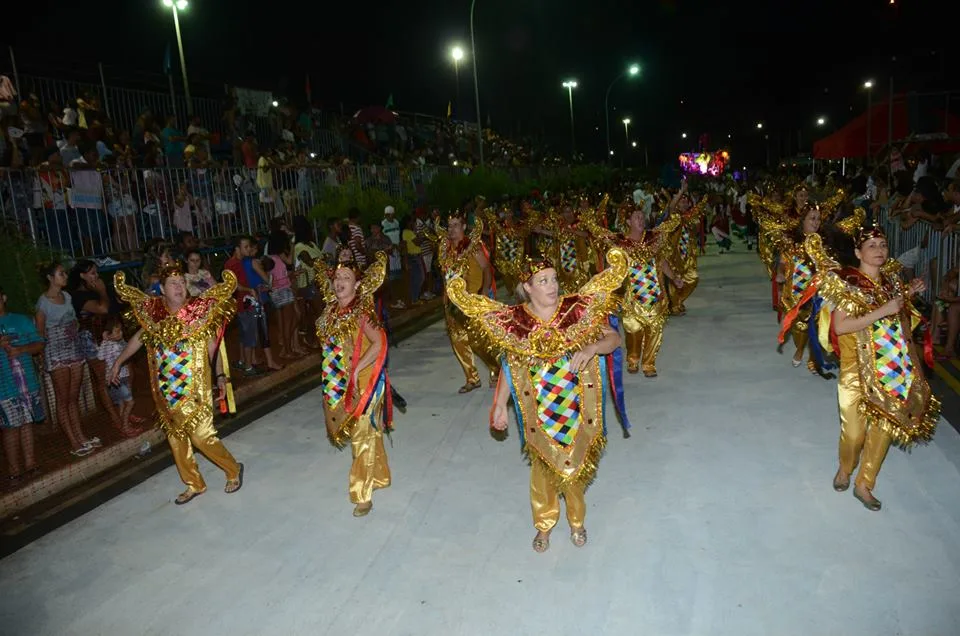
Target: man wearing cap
point(391, 229)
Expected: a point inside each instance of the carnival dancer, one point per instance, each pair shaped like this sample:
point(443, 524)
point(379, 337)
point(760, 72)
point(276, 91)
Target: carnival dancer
point(683, 250)
point(795, 270)
point(644, 307)
point(554, 352)
point(357, 403)
point(509, 241)
point(465, 257)
point(882, 393)
point(181, 335)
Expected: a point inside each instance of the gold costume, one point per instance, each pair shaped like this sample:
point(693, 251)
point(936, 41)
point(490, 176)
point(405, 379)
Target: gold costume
point(882, 396)
point(685, 242)
point(560, 414)
point(355, 411)
point(509, 252)
point(644, 308)
point(460, 261)
point(178, 359)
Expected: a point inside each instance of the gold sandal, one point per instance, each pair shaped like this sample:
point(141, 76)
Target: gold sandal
point(541, 543)
point(234, 484)
point(578, 537)
point(362, 509)
point(187, 496)
point(466, 388)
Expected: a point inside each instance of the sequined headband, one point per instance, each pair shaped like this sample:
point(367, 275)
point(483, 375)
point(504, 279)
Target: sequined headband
point(173, 269)
point(457, 214)
point(533, 265)
point(869, 232)
point(350, 265)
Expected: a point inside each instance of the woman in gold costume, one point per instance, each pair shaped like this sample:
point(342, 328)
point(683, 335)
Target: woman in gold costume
point(353, 375)
point(567, 245)
point(644, 307)
point(683, 251)
point(882, 393)
point(465, 257)
point(554, 351)
point(181, 335)
point(509, 240)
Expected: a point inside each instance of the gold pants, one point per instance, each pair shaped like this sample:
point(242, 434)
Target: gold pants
point(643, 345)
point(801, 338)
point(464, 350)
point(369, 470)
point(678, 297)
point(859, 442)
point(545, 499)
point(204, 439)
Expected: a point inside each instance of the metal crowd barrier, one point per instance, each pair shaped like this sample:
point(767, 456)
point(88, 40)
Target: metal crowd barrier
point(940, 253)
point(98, 213)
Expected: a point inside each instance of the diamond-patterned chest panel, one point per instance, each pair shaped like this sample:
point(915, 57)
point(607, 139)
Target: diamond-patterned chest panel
point(645, 284)
point(802, 273)
point(568, 255)
point(175, 373)
point(333, 373)
point(558, 400)
point(684, 244)
point(509, 249)
point(892, 358)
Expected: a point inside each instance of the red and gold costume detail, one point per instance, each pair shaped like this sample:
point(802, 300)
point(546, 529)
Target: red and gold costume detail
point(684, 244)
point(882, 393)
point(178, 358)
point(460, 260)
point(509, 243)
point(560, 413)
point(359, 412)
point(643, 310)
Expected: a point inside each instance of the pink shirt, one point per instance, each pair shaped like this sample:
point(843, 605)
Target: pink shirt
point(279, 273)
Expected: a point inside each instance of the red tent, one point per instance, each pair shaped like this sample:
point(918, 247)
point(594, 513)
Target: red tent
point(851, 140)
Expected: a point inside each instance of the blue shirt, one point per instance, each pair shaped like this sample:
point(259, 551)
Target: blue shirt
point(21, 331)
point(172, 148)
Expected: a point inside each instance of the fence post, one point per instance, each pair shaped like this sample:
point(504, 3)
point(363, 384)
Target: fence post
point(103, 83)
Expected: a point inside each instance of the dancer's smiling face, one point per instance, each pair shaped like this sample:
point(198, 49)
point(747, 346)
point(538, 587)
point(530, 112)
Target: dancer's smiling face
point(811, 221)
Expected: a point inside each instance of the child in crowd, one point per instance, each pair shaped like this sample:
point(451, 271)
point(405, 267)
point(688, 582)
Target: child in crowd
point(109, 350)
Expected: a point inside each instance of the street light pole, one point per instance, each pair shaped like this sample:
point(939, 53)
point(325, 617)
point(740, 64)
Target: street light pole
point(177, 6)
point(626, 139)
point(869, 86)
point(570, 85)
point(633, 70)
point(476, 80)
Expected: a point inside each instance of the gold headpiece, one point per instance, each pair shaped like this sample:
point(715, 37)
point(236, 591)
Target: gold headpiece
point(172, 269)
point(351, 265)
point(533, 265)
point(457, 214)
point(868, 232)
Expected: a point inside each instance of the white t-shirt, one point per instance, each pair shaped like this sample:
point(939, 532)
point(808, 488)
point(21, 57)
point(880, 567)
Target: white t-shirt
point(391, 228)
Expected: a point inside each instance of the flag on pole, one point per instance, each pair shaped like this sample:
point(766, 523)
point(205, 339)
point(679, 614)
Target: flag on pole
point(449, 109)
point(389, 101)
point(307, 89)
point(166, 60)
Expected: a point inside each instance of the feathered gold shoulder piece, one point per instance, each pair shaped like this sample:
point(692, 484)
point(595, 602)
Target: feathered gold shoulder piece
point(609, 280)
point(126, 293)
point(852, 224)
point(374, 275)
point(815, 249)
point(322, 277)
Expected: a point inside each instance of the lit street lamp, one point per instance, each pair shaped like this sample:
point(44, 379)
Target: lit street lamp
point(457, 54)
point(821, 121)
point(626, 138)
point(570, 85)
point(177, 6)
point(632, 71)
point(683, 135)
point(759, 125)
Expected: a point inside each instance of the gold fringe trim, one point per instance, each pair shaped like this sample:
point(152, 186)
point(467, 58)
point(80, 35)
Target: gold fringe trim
point(585, 473)
point(921, 432)
point(184, 430)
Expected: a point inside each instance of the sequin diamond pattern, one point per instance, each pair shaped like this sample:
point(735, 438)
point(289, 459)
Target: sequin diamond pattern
point(174, 373)
point(568, 255)
point(892, 359)
point(801, 276)
point(644, 284)
point(510, 249)
point(333, 375)
point(684, 243)
point(558, 400)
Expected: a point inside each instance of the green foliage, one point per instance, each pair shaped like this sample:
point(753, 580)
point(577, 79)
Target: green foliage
point(448, 191)
point(20, 262)
point(334, 202)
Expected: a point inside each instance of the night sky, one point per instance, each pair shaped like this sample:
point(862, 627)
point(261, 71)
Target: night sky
point(715, 67)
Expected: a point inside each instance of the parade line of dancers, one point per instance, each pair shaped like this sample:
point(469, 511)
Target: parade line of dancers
point(578, 271)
